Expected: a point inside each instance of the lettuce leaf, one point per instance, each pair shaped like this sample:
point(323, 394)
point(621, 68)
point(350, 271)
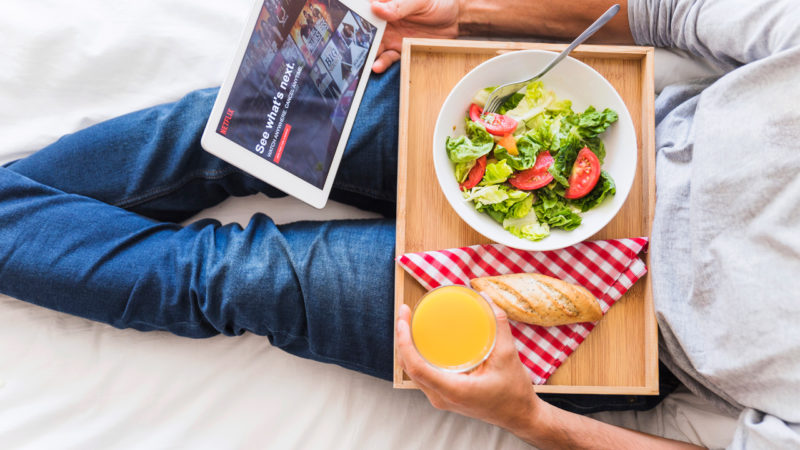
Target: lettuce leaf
point(535, 100)
point(498, 216)
point(486, 195)
point(592, 122)
point(514, 196)
point(552, 210)
point(496, 173)
point(560, 107)
point(543, 130)
point(563, 162)
point(494, 193)
point(583, 129)
point(499, 200)
point(527, 150)
point(527, 227)
point(477, 133)
point(521, 208)
point(462, 149)
point(475, 144)
point(511, 103)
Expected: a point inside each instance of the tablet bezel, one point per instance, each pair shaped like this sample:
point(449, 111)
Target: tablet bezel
point(261, 168)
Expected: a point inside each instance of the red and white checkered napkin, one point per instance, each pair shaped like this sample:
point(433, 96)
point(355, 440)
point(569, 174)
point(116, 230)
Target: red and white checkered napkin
point(606, 268)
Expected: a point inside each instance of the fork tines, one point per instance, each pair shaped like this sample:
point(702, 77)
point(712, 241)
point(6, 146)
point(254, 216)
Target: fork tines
point(492, 105)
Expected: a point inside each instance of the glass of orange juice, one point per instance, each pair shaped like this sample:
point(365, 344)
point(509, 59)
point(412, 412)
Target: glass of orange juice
point(453, 328)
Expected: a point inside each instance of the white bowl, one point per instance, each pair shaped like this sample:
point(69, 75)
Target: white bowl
point(571, 79)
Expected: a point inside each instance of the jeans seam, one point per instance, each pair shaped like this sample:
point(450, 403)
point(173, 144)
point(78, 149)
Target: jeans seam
point(161, 191)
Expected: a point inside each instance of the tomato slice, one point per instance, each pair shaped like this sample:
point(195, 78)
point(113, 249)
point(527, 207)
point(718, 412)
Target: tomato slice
point(496, 124)
point(584, 176)
point(536, 177)
point(475, 112)
point(475, 174)
point(499, 124)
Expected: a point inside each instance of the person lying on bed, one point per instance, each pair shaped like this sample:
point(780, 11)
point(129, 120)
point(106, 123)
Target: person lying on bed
point(89, 225)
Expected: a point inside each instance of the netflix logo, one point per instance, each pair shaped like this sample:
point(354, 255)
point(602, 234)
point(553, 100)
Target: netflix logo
point(226, 122)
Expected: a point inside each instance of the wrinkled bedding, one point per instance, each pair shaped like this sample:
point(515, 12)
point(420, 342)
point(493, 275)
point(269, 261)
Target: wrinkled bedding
point(66, 382)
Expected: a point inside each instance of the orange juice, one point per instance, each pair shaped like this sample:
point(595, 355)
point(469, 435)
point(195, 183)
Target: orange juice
point(453, 328)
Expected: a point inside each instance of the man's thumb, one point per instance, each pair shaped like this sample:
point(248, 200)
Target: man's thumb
point(394, 10)
point(503, 326)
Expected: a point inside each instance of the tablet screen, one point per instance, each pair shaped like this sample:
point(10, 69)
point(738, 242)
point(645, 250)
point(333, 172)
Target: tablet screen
point(295, 84)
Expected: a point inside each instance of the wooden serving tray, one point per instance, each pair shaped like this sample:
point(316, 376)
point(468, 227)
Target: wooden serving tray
point(620, 356)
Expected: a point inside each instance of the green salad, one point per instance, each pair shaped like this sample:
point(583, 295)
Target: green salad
point(535, 164)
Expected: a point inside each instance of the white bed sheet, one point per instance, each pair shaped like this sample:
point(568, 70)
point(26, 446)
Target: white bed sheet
point(66, 382)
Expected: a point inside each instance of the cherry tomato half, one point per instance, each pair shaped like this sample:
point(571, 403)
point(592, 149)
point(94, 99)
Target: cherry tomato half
point(536, 177)
point(475, 113)
point(584, 176)
point(475, 174)
point(496, 124)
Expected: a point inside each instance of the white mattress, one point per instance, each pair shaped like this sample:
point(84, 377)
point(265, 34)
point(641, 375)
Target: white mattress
point(66, 382)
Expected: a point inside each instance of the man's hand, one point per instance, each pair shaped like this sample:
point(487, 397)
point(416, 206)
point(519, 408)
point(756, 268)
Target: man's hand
point(499, 391)
point(451, 18)
point(418, 18)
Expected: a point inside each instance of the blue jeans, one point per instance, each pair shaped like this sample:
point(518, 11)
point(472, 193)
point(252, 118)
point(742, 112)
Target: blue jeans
point(88, 226)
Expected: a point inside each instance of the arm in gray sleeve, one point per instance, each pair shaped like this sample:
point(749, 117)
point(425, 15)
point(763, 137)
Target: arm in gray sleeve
point(729, 33)
point(724, 243)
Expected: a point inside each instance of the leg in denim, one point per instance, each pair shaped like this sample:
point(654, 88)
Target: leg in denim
point(87, 228)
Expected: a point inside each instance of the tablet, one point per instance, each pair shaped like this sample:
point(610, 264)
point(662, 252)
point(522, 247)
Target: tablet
point(285, 110)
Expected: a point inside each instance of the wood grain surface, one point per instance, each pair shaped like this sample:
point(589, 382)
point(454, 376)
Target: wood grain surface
point(620, 356)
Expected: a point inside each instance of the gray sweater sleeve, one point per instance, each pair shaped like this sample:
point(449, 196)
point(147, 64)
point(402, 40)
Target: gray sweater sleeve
point(725, 246)
point(729, 33)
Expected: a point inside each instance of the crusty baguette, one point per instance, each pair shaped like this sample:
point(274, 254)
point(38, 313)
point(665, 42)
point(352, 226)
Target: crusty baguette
point(539, 299)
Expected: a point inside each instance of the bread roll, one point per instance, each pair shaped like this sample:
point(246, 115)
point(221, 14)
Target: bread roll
point(539, 299)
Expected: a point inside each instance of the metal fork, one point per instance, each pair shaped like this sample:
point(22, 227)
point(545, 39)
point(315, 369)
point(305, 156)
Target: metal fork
point(501, 93)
